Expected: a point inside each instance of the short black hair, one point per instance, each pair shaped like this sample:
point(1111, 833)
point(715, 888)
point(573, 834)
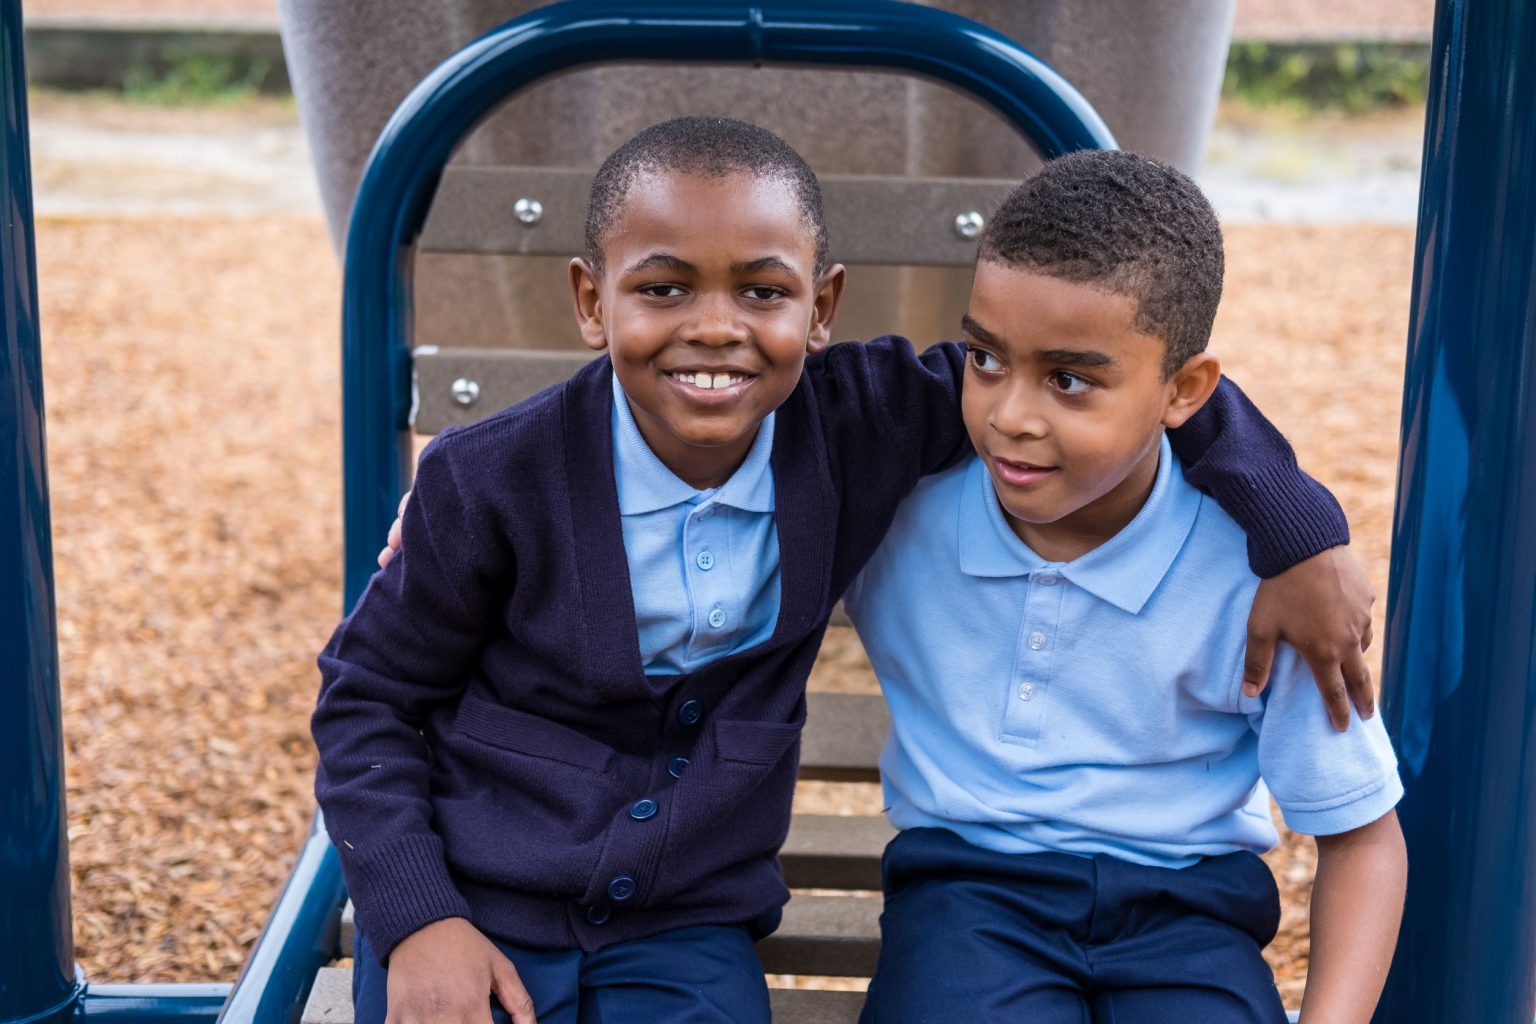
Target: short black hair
point(710, 146)
point(1125, 224)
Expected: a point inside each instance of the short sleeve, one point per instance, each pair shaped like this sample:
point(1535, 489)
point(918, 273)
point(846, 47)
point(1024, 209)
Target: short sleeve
point(1325, 782)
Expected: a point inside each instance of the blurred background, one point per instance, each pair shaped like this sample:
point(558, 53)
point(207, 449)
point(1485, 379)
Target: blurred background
point(188, 211)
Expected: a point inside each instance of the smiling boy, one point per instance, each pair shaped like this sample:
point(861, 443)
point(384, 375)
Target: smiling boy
point(1056, 623)
point(558, 733)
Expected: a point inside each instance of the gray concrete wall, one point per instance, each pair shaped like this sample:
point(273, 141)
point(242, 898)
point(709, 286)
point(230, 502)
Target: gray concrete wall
point(1152, 69)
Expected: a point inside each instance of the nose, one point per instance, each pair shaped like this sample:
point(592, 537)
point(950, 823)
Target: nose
point(1016, 412)
point(717, 322)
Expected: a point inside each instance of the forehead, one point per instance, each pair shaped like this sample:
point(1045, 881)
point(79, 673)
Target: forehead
point(737, 216)
point(1028, 309)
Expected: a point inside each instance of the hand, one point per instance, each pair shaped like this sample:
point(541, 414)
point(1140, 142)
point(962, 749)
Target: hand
point(392, 543)
point(1321, 607)
point(443, 974)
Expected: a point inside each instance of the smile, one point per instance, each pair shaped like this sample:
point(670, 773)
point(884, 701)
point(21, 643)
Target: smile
point(702, 381)
point(1020, 474)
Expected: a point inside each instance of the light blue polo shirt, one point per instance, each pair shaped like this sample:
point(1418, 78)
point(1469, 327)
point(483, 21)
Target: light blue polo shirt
point(1095, 706)
point(703, 565)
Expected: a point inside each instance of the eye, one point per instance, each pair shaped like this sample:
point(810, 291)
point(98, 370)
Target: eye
point(765, 292)
point(661, 291)
point(1070, 383)
point(984, 361)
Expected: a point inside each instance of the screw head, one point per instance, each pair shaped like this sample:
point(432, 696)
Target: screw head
point(528, 211)
point(465, 391)
point(968, 225)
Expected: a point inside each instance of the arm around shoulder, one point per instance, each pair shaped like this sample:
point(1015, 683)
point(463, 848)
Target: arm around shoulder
point(1233, 453)
point(883, 397)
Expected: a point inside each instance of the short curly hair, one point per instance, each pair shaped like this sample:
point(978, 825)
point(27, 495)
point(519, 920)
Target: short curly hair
point(1126, 225)
point(710, 146)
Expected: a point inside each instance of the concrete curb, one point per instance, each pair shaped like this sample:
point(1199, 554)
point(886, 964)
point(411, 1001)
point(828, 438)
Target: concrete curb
point(113, 53)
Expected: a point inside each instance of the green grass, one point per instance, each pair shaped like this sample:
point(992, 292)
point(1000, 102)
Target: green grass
point(190, 78)
point(1354, 78)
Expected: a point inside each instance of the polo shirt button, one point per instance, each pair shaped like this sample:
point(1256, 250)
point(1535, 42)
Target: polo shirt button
point(705, 513)
point(1048, 579)
point(689, 712)
point(705, 561)
point(717, 618)
point(598, 914)
point(1036, 640)
point(675, 767)
point(621, 889)
point(643, 809)
point(1027, 691)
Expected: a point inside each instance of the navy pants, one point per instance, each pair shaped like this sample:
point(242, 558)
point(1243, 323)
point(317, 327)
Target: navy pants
point(708, 975)
point(977, 937)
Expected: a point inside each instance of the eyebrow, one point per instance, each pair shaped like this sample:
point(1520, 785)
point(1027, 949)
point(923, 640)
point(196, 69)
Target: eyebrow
point(662, 260)
point(1061, 356)
point(757, 266)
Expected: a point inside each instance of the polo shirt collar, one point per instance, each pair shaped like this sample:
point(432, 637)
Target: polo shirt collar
point(1125, 570)
point(645, 484)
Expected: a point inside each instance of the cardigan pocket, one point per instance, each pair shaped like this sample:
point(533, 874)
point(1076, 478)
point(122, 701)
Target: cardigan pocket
point(747, 743)
point(522, 733)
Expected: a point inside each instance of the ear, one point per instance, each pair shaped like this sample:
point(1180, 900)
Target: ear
point(1189, 388)
point(589, 306)
point(829, 292)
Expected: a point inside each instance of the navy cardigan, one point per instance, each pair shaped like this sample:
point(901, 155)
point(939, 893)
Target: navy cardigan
point(490, 746)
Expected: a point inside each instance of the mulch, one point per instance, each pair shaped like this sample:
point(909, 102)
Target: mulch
point(193, 435)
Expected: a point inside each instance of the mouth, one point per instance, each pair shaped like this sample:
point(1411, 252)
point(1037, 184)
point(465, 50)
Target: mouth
point(1021, 474)
point(710, 384)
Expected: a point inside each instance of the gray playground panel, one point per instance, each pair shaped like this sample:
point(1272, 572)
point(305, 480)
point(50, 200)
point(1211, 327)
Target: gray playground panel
point(1153, 70)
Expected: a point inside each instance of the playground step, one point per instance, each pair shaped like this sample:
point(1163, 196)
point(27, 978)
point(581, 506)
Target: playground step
point(330, 1002)
point(834, 851)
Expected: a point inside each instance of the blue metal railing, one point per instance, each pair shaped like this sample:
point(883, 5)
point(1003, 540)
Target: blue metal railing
point(37, 975)
point(1459, 688)
point(403, 172)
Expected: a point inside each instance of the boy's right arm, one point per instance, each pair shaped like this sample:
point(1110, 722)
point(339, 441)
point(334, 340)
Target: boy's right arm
point(442, 973)
point(405, 649)
point(883, 399)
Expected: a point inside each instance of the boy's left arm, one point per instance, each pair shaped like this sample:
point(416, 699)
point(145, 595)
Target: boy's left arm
point(1357, 906)
point(1314, 595)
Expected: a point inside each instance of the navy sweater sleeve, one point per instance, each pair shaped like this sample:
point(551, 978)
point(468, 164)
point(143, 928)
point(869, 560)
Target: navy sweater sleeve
point(883, 395)
point(405, 648)
point(1231, 452)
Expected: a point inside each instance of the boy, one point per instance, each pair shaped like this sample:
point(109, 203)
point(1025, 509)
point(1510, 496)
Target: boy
point(568, 712)
point(1072, 763)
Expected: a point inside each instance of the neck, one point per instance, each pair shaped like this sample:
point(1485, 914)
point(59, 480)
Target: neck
point(699, 467)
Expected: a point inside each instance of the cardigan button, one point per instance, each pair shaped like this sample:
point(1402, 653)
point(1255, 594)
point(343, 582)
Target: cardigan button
point(621, 888)
point(598, 914)
point(675, 767)
point(643, 809)
point(689, 712)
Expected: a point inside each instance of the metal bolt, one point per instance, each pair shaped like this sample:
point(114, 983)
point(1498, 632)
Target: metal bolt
point(968, 225)
point(465, 391)
point(529, 211)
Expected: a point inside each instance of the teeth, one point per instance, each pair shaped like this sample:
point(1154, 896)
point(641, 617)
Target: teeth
point(708, 381)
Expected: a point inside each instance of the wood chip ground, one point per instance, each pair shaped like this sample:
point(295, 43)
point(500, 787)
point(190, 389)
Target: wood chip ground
point(192, 395)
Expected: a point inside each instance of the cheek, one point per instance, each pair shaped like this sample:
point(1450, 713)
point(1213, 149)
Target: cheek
point(974, 409)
